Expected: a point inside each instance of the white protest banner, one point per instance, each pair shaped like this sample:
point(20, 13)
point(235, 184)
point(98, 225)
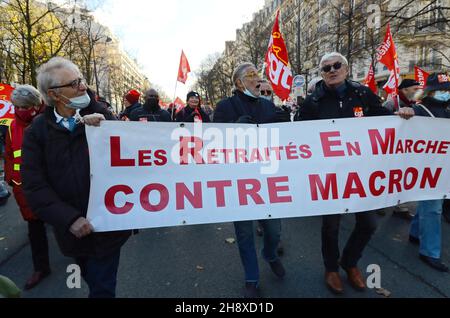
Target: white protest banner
point(147, 175)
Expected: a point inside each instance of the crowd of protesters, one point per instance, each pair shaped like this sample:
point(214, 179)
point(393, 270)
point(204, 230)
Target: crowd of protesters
point(47, 166)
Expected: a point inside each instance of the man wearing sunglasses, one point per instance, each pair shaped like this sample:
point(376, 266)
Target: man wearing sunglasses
point(337, 97)
point(56, 174)
point(266, 90)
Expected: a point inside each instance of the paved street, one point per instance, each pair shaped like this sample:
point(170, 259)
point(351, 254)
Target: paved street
point(196, 261)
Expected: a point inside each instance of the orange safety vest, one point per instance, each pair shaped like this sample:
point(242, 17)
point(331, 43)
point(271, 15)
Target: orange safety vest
point(16, 135)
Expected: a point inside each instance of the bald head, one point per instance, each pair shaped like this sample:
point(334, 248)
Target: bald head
point(151, 93)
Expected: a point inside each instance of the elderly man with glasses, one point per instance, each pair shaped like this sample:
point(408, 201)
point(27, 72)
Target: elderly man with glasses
point(246, 107)
point(337, 97)
point(56, 174)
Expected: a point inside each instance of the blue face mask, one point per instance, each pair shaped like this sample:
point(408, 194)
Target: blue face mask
point(79, 102)
point(269, 98)
point(442, 96)
point(247, 92)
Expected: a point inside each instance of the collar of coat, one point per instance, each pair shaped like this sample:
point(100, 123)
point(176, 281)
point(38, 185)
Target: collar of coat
point(320, 91)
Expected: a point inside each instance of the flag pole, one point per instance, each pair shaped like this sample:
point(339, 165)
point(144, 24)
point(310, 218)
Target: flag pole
point(174, 97)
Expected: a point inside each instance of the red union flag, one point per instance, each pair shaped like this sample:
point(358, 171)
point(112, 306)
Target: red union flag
point(370, 80)
point(386, 52)
point(391, 88)
point(387, 55)
point(421, 76)
point(277, 63)
point(184, 69)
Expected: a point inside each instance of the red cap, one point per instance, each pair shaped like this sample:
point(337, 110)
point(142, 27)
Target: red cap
point(132, 96)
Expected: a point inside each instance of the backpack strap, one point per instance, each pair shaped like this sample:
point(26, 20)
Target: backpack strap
point(426, 110)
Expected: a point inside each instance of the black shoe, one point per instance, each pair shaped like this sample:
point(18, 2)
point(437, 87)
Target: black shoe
point(403, 215)
point(259, 231)
point(277, 268)
point(280, 249)
point(434, 262)
point(36, 278)
point(446, 216)
point(251, 290)
point(414, 240)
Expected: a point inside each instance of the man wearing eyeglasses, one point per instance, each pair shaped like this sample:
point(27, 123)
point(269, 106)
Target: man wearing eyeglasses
point(246, 107)
point(56, 174)
point(337, 97)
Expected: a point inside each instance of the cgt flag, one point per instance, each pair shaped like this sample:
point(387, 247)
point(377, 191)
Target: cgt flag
point(6, 108)
point(184, 69)
point(277, 63)
point(387, 55)
point(421, 76)
point(370, 80)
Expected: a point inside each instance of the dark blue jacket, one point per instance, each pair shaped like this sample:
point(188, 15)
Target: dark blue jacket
point(127, 112)
point(231, 109)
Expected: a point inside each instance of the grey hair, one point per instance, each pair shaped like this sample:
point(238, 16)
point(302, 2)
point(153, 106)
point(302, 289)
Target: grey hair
point(26, 96)
point(329, 56)
point(47, 75)
point(239, 71)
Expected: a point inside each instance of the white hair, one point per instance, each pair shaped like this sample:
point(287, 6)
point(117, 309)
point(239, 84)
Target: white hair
point(26, 96)
point(239, 71)
point(329, 56)
point(48, 75)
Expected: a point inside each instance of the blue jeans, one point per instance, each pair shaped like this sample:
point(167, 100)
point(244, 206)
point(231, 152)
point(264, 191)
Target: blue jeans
point(246, 243)
point(100, 274)
point(426, 226)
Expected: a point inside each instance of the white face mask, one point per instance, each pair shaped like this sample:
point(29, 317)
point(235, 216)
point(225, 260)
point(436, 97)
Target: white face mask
point(79, 102)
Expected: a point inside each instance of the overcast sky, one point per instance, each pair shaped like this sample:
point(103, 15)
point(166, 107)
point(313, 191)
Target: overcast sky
point(155, 31)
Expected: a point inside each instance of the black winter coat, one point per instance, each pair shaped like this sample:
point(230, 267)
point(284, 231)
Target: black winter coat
point(186, 115)
point(231, 109)
point(357, 101)
point(140, 114)
point(56, 181)
point(437, 108)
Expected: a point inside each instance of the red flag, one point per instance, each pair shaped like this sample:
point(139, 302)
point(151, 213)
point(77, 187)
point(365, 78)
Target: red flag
point(370, 80)
point(277, 63)
point(179, 104)
point(184, 69)
point(6, 107)
point(387, 55)
point(391, 87)
point(421, 76)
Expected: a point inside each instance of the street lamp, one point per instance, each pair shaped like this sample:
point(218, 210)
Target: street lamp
point(108, 39)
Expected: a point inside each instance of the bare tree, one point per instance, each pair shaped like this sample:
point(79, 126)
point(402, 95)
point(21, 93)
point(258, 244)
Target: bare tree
point(32, 33)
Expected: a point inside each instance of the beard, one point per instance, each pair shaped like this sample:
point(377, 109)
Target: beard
point(151, 105)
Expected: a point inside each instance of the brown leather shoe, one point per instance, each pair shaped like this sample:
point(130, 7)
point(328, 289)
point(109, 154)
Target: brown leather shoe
point(355, 278)
point(334, 282)
point(35, 279)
